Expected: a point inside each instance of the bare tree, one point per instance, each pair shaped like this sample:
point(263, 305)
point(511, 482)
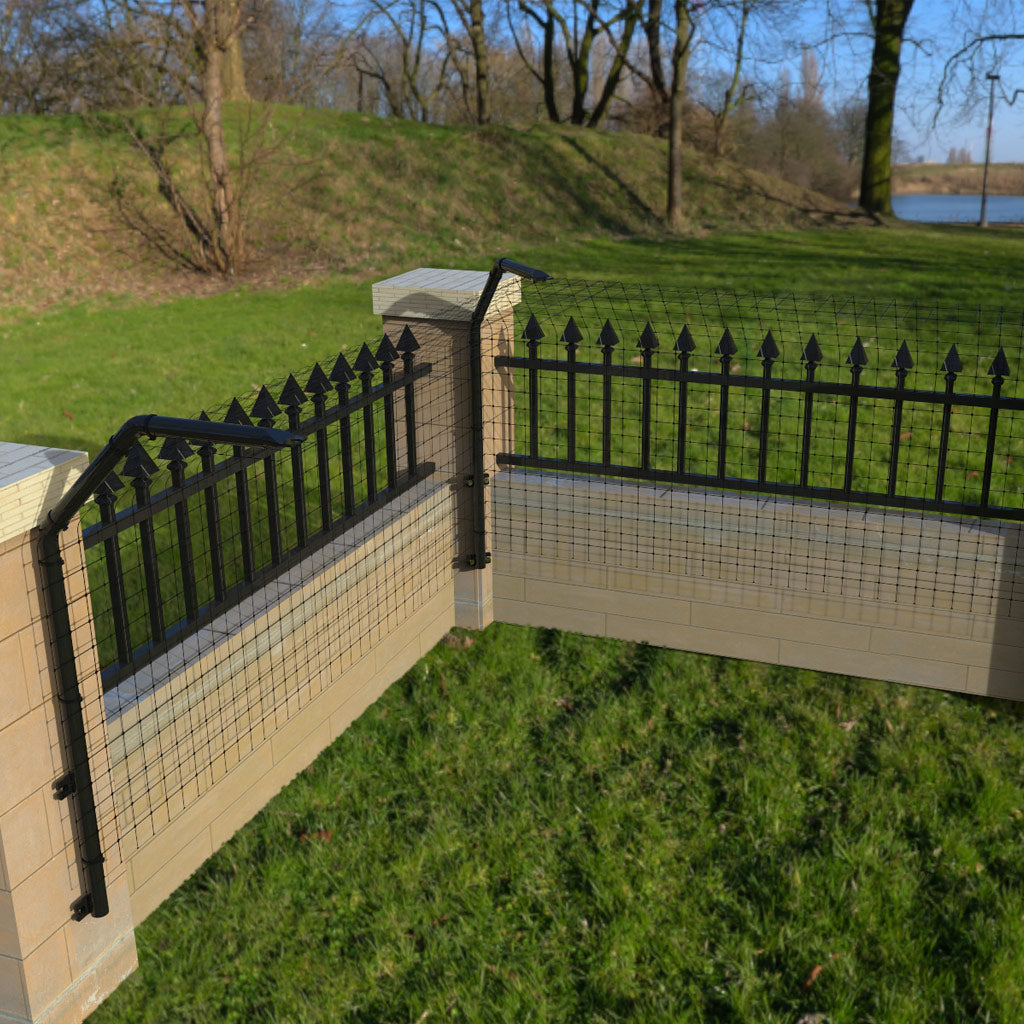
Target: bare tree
point(401, 56)
point(736, 91)
point(888, 23)
point(683, 31)
point(979, 54)
point(574, 34)
point(471, 16)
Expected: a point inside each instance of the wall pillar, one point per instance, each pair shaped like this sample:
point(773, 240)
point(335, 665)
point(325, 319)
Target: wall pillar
point(52, 969)
point(437, 305)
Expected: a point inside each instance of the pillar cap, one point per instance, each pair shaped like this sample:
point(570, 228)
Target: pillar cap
point(430, 293)
point(32, 480)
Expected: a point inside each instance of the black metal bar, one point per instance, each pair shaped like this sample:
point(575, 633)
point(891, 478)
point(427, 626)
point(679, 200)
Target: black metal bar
point(768, 353)
point(115, 575)
point(318, 385)
point(902, 364)
point(990, 443)
point(811, 356)
point(407, 346)
point(244, 520)
point(386, 355)
point(645, 414)
point(833, 494)
point(147, 653)
point(87, 833)
point(534, 401)
point(273, 507)
point(683, 347)
point(648, 343)
point(480, 557)
point(267, 410)
point(212, 505)
point(857, 360)
point(851, 437)
point(606, 408)
point(571, 336)
point(150, 565)
point(364, 366)
point(347, 474)
point(186, 558)
point(867, 391)
point(726, 349)
point(323, 465)
point(952, 366)
point(292, 398)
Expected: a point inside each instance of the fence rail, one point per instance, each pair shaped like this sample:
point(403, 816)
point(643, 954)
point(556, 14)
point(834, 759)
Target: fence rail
point(572, 441)
point(224, 525)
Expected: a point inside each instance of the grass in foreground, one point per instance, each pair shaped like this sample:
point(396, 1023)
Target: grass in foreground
point(546, 827)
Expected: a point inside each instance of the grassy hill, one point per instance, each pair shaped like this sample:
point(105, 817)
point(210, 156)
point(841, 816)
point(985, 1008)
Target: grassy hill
point(346, 192)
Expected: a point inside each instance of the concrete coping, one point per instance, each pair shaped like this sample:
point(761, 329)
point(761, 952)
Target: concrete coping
point(32, 480)
point(430, 293)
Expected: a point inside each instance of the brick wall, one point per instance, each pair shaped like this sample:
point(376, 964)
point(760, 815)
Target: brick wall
point(865, 592)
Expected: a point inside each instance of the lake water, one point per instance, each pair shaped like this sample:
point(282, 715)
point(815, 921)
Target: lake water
point(966, 209)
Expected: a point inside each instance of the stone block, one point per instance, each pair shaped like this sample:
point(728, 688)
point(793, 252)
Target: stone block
point(13, 999)
point(25, 837)
point(1007, 684)
point(14, 694)
point(28, 758)
point(47, 974)
point(89, 990)
point(16, 611)
point(42, 903)
point(167, 873)
point(526, 613)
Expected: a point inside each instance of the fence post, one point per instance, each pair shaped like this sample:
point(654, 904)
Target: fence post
point(52, 968)
point(437, 306)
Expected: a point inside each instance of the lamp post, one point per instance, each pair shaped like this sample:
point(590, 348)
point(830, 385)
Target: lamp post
point(992, 78)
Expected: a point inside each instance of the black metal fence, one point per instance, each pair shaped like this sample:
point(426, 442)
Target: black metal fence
point(670, 396)
point(187, 531)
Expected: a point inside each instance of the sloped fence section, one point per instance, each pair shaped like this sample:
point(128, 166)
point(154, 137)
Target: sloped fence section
point(189, 530)
point(240, 588)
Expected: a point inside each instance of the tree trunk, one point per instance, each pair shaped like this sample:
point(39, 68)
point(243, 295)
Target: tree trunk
point(730, 101)
point(233, 74)
point(225, 233)
point(549, 68)
point(579, 66)
point(632, 18)
point(676, 113)
point(652, 29)
point(478, 40)
point(890, 19)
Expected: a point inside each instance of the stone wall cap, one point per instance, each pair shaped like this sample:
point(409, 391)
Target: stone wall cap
point(432, 293)
point(32, 480)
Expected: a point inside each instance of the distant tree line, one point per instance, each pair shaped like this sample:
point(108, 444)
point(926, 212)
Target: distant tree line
point(704, 72)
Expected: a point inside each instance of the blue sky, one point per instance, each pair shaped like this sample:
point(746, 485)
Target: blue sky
point(936, 29)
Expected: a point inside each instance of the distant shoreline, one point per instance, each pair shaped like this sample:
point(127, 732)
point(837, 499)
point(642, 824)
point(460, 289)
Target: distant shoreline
point(957, 179)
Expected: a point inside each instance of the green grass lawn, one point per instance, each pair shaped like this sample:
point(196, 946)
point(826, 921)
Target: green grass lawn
point(551, 828)
point(547, 827)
